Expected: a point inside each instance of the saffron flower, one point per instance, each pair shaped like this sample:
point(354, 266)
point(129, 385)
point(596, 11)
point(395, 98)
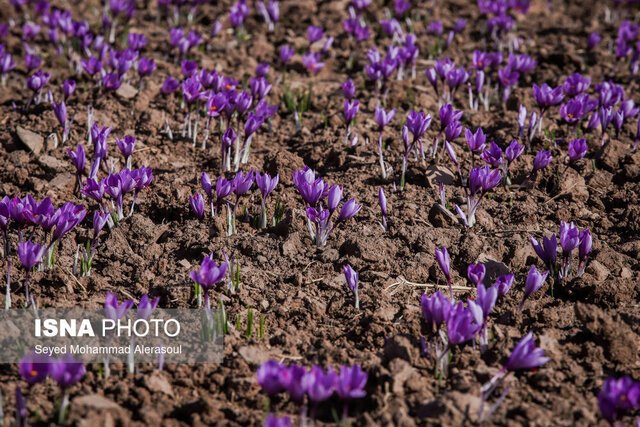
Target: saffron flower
point(383, 118)
point(30, 255)
point(535, 280)
point(349, 89)
point(197, 205)
point(525, 355)
point(275, 421)
point(475, 273)
point(349, 112)
point(268, 376)
point(436, 309)
point(503, 284)
point(320, 386)
point(266, 185)
point(312, 62)
point(114, 310)
point(382, 201)
point(35, 368)
point(126, 146)
point(206, 277)
point(577, 149)
point(547, 251)
point(618, 397)
point(462, 325)
point(442, 257)
point(352, 281)
point(66, 371)
point(481, 180)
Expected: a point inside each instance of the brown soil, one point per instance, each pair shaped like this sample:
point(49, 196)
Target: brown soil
point(590, 330)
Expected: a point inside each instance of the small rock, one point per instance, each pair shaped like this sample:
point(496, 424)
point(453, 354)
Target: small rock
point(401, 371)
point(254, 355)
point(63, 181)
point(597, 270)
point(439, 174)
point(95, 401)
point(31, 140)
point(126, 91)
point(51, 163)
point(156, 382)
point(184, 263)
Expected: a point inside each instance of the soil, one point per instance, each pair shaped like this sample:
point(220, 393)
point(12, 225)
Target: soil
point(589, 330)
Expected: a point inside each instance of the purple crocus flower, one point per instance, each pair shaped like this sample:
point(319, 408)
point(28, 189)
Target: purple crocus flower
point(547, 252)
point(197, 205)
point(266, 184)
point(334, 197)
point(351, 382)
point(320, 386)
point(170, 85)
point(575, 84)
point(30, 254)
point(492, 155)
point(273, 420)
point(291, 379)
point(503, 284)
point(442, 257)
point(535, 280)
point(60, 111)
point(35, 368)
point(349, 210)
point(577, 149)
point(113, 310)
point(352, 281)
point(268, 376)
point(593, 40)
point(99, 221)
point(513, 151)
point(350, 110)
point(68, 87)
point(312, 62)
point(314, 34)
point(286, 52)
point(383, 118)
point(617, 397)
point(30, 61)
point(146, 66)
point(526, 355)
point(476, 272)
point(462, 325)
point(349, 89)
point(382, 201)
point(208, 275)
point(66, 371)
point(436, 309)
point(126, 146)
point(542, 159)
point(146, 306)
point(476, 141)
point(112, 81)
point(486, 298)
point(78, 158)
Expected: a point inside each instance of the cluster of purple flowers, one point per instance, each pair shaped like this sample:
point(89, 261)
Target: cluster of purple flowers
point(116, 186)
point(451, 78)
point(65, 371)
point(571, 238)
point(315, 383)
point(24, 213)
point(241, 184)
point(313, 191)
point(618, 398)
point(221, 99)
